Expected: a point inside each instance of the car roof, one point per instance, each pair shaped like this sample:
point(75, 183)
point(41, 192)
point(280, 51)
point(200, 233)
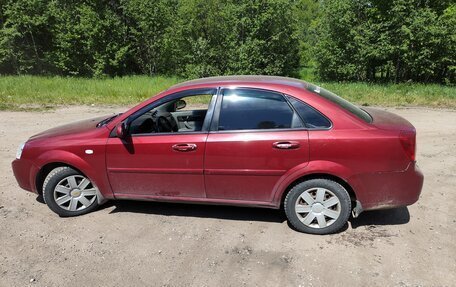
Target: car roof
point(234, 80)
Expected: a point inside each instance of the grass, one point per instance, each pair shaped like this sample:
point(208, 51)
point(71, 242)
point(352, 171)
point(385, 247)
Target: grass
point(19, 91)
point(429, 95)
point(32, 92)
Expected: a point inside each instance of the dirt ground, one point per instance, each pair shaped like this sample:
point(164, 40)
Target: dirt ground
point(158, 244)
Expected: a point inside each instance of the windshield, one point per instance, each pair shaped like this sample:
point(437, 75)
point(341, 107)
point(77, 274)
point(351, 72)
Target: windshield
point(107, 120)
point(346, 105)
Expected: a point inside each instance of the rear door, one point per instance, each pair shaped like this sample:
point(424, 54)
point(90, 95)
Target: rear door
point(256, 137)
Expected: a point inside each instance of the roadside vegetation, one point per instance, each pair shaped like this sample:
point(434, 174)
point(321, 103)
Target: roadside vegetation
point(36, 92)
point(17, 92)
point(342, 40)
point(372, 52)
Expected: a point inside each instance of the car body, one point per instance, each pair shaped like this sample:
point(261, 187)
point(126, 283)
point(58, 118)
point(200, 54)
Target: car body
point(259, 138)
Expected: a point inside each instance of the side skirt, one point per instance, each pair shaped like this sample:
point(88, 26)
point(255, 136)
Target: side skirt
point(194, 200)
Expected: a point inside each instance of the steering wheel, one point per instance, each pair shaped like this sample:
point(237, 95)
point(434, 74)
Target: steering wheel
point(166, 123)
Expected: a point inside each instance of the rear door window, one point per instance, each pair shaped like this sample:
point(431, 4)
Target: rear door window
point(250, 109)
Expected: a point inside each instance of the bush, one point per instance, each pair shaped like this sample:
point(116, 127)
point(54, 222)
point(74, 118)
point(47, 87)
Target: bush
point(191, 38)
point(400, 40)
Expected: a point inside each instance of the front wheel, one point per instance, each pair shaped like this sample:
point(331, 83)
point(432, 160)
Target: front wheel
point(318, 206)
point(69, 193)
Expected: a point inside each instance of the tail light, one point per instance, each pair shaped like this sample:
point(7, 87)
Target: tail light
point(408, 142)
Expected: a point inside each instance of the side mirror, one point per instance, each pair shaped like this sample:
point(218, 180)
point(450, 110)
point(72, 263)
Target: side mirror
point(180, 104)
point(121, 130)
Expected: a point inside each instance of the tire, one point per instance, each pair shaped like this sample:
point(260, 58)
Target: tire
point(67, 192)
point(318, 206)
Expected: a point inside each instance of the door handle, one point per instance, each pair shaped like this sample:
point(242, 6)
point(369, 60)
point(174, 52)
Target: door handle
point(286, 145)
point(184, 147)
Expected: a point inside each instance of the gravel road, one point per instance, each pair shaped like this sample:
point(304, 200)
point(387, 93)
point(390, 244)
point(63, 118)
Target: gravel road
point(160, 244)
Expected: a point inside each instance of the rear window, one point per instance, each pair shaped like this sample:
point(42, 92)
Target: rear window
point(346, 105)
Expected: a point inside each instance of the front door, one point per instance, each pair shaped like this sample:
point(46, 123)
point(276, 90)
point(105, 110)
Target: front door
point(257, 138)
point(162, 157)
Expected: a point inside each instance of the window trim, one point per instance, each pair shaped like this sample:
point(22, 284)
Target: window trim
point(218, 108)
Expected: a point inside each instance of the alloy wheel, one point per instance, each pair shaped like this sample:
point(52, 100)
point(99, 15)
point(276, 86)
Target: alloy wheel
point(75, 193)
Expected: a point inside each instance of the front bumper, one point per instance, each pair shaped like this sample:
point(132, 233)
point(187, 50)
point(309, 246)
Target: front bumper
point(384, 190)
point(24, 172)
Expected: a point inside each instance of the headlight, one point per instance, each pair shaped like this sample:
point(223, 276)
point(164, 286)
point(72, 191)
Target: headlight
point(19, 150)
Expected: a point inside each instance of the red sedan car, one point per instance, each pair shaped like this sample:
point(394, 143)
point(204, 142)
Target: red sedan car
point(245, 140)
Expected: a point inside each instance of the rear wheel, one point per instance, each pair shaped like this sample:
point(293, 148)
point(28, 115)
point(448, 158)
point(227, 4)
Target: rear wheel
point(67, 192)
point(318, 206)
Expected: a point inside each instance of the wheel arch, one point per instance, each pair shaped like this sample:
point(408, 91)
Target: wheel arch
point(58, 158)
point(319, 175)
point(45, 170)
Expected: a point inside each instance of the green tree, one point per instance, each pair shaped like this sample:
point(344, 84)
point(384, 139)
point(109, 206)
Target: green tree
point(447, 63)
point(265, 40)
point(25, 37)
point(305, 17)
point(150, 30)
point(217, 37)
point(399, 40)
point(90, 38)
point(198, 38)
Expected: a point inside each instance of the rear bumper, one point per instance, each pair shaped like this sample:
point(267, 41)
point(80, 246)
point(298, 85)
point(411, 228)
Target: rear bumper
point(24, 172)
point(390, 189)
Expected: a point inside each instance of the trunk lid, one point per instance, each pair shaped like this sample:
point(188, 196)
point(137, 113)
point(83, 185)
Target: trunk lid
point(389, 121)
point(406, 131)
